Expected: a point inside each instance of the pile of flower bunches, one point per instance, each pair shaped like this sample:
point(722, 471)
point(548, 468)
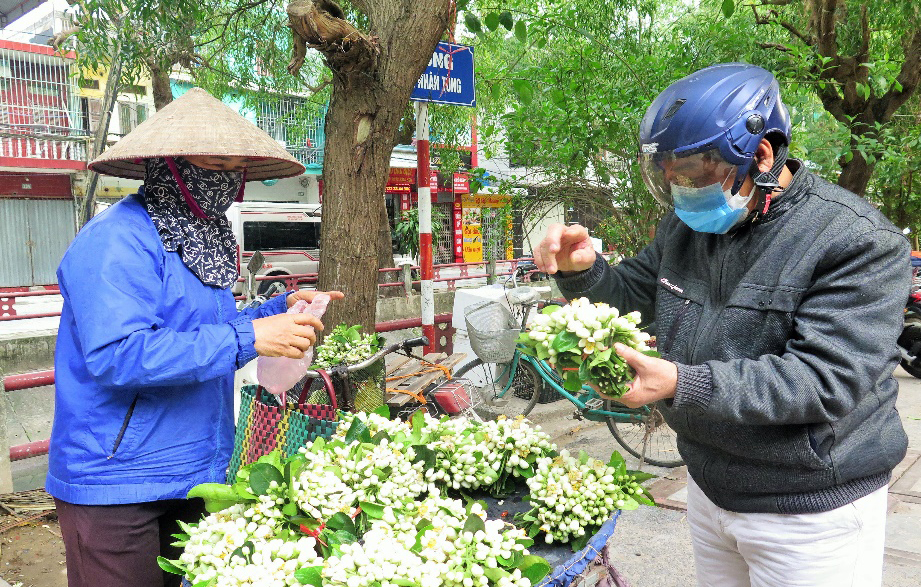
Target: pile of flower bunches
point(569, 495)
point(346, 345)
point(578, 341)
point(369, 508)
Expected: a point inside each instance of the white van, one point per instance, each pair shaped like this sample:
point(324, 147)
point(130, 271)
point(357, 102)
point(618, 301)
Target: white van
point(288, 235)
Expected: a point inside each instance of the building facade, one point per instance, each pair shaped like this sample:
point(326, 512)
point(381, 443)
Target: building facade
point(43, 144)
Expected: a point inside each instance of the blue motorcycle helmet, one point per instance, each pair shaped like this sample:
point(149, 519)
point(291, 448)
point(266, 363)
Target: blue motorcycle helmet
point(698, 141)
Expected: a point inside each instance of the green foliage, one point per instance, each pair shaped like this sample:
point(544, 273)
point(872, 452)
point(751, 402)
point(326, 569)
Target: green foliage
point(561, 91)
point(406, 231)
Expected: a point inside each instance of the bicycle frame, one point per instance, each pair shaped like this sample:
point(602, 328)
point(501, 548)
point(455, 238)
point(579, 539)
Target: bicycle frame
point(582, 400)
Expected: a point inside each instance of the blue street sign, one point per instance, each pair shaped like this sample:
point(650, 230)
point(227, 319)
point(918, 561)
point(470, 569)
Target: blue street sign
point(448, 79)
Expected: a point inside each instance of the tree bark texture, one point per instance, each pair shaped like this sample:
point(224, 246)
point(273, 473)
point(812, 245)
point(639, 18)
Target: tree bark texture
point(162, 92)
point(373, 75)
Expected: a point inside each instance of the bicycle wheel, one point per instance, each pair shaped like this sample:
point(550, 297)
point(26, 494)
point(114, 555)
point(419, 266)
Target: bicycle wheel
point(652, 433)
point(489, 379)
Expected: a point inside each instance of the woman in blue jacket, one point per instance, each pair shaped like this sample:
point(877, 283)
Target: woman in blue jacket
point(150, 338)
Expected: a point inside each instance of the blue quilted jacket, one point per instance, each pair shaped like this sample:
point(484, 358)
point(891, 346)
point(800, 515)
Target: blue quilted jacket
point(144, 367)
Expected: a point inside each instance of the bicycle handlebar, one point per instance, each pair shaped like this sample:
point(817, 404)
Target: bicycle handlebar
point(406, 345)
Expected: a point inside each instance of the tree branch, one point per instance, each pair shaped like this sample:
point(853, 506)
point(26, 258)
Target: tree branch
point(777, 46)
point(909, 79)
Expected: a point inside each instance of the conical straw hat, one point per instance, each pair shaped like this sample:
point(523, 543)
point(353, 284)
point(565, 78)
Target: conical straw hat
point(197, 123)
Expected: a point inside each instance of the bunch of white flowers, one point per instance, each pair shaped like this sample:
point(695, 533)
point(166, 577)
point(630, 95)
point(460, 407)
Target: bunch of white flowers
point(578, 341)
point(456, 548)
point(338, 478)
point(468, 454)
point(345, 345)
point(572, 497)
point(237, 546)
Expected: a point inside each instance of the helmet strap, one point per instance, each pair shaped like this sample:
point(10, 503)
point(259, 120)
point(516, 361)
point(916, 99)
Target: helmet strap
point(768, 182)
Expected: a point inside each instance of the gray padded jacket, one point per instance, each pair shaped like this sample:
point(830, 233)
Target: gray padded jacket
point(784, 335)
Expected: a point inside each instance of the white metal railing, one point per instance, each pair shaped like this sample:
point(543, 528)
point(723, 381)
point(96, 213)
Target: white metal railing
point(292, 122)
point(32, 147)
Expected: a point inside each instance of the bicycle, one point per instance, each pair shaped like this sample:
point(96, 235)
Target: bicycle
point(453, 397)
point(511, 383)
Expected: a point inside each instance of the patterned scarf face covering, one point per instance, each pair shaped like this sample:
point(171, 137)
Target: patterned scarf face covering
point(203, 237)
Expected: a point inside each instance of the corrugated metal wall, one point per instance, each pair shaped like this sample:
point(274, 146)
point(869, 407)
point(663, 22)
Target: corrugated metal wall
point(33, 237)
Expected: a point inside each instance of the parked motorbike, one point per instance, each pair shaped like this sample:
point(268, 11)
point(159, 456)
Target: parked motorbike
point(910, 340)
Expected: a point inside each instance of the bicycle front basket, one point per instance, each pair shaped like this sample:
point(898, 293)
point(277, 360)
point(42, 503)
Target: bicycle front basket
point(492, 331)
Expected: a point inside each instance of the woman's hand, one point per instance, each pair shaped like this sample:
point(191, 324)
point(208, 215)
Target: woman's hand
point(286, 335)
point(308, 294)
point(655, 378)
point(565, 248)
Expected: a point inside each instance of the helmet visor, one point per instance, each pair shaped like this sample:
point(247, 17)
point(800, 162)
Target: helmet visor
point(693, 171)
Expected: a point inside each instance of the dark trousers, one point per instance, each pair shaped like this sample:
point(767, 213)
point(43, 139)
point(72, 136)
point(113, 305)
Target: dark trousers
point(118, 545)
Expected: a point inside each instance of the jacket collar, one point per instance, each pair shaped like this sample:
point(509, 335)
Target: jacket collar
point(793, 193)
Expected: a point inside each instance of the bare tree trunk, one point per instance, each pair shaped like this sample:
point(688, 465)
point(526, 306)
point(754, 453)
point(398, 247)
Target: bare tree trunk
point(856, 174)
point(162, 91)
point(372, 80)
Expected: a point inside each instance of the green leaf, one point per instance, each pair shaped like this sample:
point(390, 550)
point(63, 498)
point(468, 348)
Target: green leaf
point(496, 90)
point(170, 566)
point(618, 463)
point(209, 583)
point(644, 498)
point(472, 22)
point(357, 431)
point(629, 504)
point(506, 19)
point(341, 521)
point(217, 496)
point(261, 476)
point(496, 574)
point(289, 509)
point(640, 476)
point(565, 341)
point(424, 454)
point(474, 523)
point(383, 411)
point(534, 568)
point(583, 457)
point(379, 437)
point(728, 7)
point(417, 421)
point(310, 576)
point(521, 31)
point(584, 373)
point(491, 21)
point(572, 382)
point(524, 90)
point(579, 542)
point(550, 310)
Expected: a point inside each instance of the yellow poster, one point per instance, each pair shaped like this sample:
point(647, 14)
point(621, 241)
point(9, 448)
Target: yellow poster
point(473, 237)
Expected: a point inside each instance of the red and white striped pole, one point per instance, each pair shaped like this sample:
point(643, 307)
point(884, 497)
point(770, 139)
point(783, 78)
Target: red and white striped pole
point(423, 179)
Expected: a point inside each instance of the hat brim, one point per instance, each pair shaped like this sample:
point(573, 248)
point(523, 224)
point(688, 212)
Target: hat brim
point(197, 124)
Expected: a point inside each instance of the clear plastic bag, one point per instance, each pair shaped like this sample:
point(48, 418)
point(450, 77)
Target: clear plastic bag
point(279, 374)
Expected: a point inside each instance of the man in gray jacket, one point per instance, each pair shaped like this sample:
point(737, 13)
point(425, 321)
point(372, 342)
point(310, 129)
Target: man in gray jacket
point(777, 299)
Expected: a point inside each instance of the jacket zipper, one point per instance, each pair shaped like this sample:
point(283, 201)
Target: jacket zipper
point(674, 328)
point(709, 305)
point(121, 433)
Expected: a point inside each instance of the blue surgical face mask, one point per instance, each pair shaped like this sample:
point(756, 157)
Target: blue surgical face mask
point(709, 209)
